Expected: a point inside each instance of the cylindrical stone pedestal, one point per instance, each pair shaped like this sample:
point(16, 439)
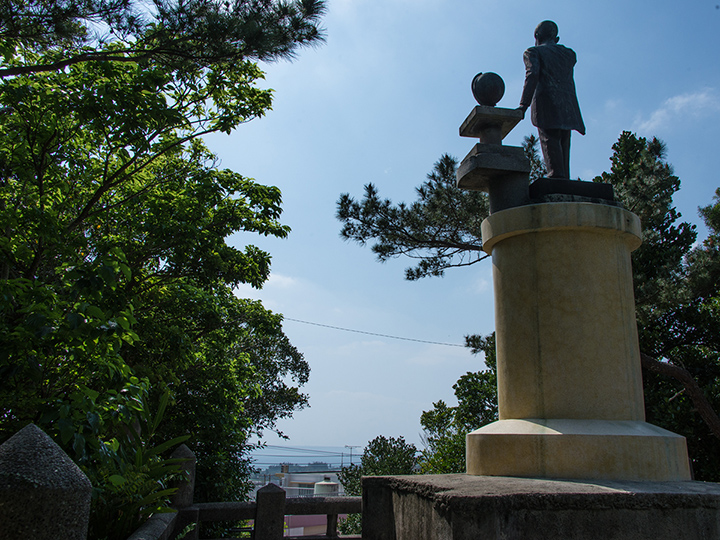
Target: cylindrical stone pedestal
point(569, 378)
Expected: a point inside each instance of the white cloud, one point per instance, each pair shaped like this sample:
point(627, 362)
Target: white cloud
point(275, 282)
point(483, 284)
point(678, 108)
point(278, 281)
point(612, 105)
point(274, 292)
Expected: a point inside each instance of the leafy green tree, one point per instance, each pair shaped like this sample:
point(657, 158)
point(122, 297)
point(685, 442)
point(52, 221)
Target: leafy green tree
point(644, 182)
point(382, 456)
point(238, 384)
point(441, 229)
point(115, 276)
point(675, 292)
point(531, 146)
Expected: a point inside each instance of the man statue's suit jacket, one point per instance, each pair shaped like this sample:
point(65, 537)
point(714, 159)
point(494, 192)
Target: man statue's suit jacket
point(550, 88)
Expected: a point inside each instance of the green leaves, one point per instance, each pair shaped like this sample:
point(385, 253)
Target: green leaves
point(441, 229)
point(644, 182)
point(115, 275)
point(128, 474)
point(382, 456)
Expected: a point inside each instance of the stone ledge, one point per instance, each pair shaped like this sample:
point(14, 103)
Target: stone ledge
point(459, 507)
point(558, 186)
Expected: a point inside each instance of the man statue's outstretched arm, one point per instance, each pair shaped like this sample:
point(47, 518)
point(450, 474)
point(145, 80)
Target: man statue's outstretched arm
point(532, 75)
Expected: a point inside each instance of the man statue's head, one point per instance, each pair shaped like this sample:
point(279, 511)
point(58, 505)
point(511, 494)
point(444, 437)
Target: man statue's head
point(546, 32)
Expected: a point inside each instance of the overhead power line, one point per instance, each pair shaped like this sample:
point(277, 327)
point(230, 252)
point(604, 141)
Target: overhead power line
point(373, 333)
point(309, 450)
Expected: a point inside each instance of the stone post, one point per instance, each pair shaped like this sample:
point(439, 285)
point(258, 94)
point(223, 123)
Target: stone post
point(183, 497)
point(270, 516)
point(501, 171)
point(43, 494)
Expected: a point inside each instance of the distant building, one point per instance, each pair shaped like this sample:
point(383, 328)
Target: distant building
point(308, 484)
point(301, 484)
point(305, 484)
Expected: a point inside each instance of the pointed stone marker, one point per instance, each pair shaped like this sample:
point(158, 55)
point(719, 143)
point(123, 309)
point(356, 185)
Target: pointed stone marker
point(43, 494)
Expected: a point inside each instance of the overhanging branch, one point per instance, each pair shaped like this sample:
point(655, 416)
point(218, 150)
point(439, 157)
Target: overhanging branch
point(680, 374)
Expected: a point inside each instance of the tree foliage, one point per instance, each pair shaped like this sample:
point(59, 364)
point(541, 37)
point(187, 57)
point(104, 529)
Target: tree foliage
point(120, 335)
point(644, 182)
point(178, 35)
point(382, 456)
point(675, 291)
point(445, 428)
point(441, 229)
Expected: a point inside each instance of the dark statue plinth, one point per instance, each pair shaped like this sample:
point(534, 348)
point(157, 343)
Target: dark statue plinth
point(490, 124)
point(543, 187)
point(500, 171)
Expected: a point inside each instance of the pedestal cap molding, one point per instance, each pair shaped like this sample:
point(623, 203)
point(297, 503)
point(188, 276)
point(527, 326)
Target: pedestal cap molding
point(560, 216)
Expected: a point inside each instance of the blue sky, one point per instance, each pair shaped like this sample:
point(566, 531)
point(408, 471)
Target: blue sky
point(380, 102)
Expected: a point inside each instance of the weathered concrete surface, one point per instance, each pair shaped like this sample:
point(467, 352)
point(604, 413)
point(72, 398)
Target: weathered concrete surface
point(501, 171)
point(43, 494)
point(463, 507)
point(186, 486)
point(486, 162)
point(157, 527)
point(567, 341)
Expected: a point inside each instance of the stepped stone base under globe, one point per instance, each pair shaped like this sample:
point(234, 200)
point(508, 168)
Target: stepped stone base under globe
point(501, 171)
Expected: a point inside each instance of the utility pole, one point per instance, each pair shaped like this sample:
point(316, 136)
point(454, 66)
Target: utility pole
point(351, 449)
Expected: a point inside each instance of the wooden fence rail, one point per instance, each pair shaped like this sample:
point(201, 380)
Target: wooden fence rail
point(267, 512)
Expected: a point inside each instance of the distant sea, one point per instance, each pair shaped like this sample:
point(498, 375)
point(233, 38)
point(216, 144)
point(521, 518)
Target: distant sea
point(334, 456)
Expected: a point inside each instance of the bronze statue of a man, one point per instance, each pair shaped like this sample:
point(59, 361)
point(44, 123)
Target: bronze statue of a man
point(550, 89)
